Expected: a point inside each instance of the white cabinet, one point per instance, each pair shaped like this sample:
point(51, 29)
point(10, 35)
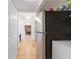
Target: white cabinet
point(61, 50)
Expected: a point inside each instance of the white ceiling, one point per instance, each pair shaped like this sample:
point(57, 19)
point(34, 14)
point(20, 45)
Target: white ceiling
point(27, 5)
point(35, 5)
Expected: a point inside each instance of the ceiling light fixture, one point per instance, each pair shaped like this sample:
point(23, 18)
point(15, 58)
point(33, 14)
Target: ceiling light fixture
point(28, 17)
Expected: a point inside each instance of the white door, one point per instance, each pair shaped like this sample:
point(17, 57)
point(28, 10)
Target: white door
point(13, 38)
point(13, 32)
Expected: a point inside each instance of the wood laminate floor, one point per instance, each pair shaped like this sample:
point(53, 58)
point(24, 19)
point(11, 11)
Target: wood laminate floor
point(27, 50)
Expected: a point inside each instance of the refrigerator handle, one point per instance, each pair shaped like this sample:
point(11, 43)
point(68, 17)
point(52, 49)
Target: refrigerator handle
point(41, 32)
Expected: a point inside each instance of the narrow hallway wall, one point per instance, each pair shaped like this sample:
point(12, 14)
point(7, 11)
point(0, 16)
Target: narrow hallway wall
point(39, 36)
point(12, 36)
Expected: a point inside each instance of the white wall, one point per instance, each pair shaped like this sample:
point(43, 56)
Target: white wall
point(39, 36)
point(26, 19)
point(12, 41)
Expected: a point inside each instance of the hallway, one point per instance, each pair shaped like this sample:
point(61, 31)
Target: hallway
point(27, 50)
point(34, 24)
